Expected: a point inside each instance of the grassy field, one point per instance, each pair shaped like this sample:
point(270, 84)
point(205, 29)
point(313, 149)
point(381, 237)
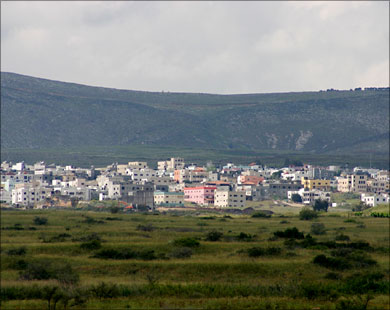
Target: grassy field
point(102, 156)
point(199, 260)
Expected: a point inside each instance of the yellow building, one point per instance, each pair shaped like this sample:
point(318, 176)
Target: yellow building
point(315, 184)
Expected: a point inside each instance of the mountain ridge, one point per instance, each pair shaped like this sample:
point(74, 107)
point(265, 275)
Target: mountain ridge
point(38, 112)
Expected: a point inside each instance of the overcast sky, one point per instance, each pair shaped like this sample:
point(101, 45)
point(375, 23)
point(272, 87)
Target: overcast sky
point(214, 47)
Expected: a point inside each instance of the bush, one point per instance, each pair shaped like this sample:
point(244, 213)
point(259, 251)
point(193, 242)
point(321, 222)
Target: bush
point(17, 251)
point(116, 254)
point(321, 205)
point(318, 229)
point(342, 237)
point(331, 263)
point(291, 233)
point(40, 220)
point(125, 254)
point(333, 276)
point(186, 242)
point(182, 252)
point(147, 227)
point(90, 237)
point(245, 237)
point(353, 303)
point(91, 220)
point(45, 269)
point(360, 283)
point(261, 214)
point(296, 198)
point(257, 251)
point(91, 245)
point(105, 290)
point(214, 235)
point(307, 214)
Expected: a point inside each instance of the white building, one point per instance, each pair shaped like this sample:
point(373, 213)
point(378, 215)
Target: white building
point(310, 196)
point(225, 198)
point(169, 199)
point(29, 194)
point(373, 200)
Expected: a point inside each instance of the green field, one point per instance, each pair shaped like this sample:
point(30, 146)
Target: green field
point(103, 156)
point(169, 261)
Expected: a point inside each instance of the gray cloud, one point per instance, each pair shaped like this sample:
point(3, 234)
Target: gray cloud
point(217, 47)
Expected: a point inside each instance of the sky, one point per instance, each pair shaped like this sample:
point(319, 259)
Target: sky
point(220, 47)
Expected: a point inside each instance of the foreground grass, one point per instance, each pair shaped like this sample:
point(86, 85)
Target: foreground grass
point(216, 275)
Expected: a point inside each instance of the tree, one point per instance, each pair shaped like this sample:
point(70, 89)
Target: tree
point(40, 220)
point(321, 205)
point(307, 214)
point(318, 229)
point(276, 175)
point(296, 198)
point(360, 207)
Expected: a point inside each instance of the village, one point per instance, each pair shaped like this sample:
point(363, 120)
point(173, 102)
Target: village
point(175, 184)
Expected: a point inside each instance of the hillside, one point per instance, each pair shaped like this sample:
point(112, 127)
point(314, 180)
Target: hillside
point(40, 113)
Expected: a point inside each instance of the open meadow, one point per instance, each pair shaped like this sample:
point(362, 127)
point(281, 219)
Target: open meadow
point(68, 259)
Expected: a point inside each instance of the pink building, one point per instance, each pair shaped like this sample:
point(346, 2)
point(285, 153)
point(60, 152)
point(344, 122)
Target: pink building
point(202, 195)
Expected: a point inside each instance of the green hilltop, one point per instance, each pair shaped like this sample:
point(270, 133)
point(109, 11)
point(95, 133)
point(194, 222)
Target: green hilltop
point(44, 114)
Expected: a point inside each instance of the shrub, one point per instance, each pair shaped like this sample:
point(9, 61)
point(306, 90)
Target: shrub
point(296, 198)
point(91, 245)
point(321, 205)
point(182, 252)
point(245, 237)
point(147, 227)
point(105, 290)
point(333, 276)
point(114, 209)
point(291, 233)
point(116, 254)
point(17, 251)
point(342, 237)
point(91, 220)
point(307, 214)
point(331, 263)
point(318, 229)
point(353, 303)
point(40, 220)
point(360, 283)
point(125, 254)
point(45, 269)
point(186, 242)
point(258, 251)
point(261, 214)
point(214, 235)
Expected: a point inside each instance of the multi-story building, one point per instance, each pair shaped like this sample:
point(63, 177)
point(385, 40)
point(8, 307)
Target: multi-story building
point(249, 178)
point(175, 163)
point(373, 200)
point(315, 184)
point(169, 199)
point(225, 198)
point(29, 194)
point(137, 165)
point(202, 195)
point(310, 196)
point(352, 183)
point(279, 189)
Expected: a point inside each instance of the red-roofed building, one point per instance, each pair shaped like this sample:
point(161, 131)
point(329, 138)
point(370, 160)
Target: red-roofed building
point(202, 195)
point(250, 178)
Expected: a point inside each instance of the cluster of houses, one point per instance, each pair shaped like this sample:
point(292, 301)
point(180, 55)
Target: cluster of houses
point(177, 184)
